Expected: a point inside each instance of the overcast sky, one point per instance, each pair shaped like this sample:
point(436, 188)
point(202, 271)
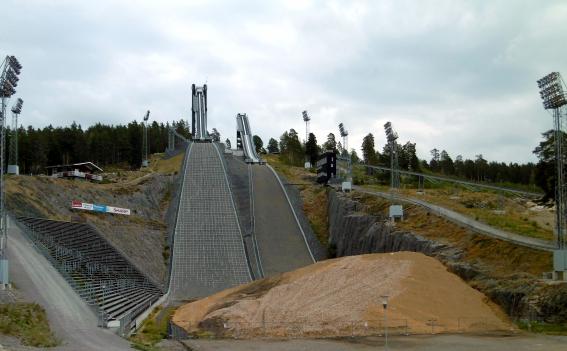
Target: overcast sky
point(456, 75)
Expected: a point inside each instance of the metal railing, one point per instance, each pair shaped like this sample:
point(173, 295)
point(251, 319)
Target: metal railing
point(344, 328)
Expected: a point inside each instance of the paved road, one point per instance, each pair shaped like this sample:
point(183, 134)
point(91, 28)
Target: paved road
point(421, 343)
point(477, 226)
point(280, 241)
point(70, 318)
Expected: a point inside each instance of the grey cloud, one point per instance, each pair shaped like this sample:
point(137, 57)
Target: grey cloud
point(456, 75)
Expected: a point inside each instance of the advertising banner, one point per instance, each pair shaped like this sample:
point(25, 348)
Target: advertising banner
point(81, 205)
point(118, 210)
point(78, 205)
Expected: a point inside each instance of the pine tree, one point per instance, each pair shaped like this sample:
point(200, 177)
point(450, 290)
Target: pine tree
point(311, 148)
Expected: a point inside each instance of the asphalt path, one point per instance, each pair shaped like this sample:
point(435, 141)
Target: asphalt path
point(70, 318)
point(476, 226)
point(523, 342)
point(281, 244)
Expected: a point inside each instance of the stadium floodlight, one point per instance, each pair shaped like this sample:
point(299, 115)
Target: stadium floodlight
point(306, 119)
point(15, 64)
point(553, 97)
point(10, 69)
point(551, 91)
point(7, 89)
point(13, 167)
point(145, 161)
point(344, 135)
point(12, 77)
point(17, 108)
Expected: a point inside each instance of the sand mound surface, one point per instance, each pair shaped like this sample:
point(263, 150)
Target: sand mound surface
point(343, 297)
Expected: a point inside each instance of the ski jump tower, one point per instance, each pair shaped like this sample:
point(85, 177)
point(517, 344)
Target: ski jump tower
point(244, 139)
point(199, 114)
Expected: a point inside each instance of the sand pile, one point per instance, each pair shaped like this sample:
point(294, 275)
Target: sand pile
point(343, 297)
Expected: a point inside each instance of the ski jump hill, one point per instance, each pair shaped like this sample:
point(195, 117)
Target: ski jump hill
point(226, 235)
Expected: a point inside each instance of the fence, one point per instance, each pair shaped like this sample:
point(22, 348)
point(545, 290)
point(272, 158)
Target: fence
point(346, 328)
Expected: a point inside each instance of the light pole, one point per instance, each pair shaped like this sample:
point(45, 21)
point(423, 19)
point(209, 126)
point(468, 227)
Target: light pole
point(385, 306)
point(306, 119)
point(145, 161)
point(554, 98)
point(347, 185)
point(10, 70)
point(13, 152)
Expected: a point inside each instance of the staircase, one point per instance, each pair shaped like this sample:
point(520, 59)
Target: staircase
point(208, 249)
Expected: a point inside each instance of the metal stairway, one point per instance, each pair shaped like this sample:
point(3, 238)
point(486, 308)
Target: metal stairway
point(208, 249)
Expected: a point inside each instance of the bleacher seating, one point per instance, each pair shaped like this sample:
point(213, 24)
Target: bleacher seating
point(98, 272)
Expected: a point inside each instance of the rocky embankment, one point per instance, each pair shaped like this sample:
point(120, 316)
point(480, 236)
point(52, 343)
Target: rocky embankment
point(353, 231)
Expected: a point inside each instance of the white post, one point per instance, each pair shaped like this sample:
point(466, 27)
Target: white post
point(385, 306)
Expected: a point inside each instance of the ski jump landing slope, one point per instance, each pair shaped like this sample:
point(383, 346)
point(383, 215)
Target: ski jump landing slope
point(281, 243)
point(208, 250)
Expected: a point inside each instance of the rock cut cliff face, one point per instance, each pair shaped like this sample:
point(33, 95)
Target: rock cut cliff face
point(352, 231)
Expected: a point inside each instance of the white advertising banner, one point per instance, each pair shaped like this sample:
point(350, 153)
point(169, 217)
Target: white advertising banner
point(118, 210)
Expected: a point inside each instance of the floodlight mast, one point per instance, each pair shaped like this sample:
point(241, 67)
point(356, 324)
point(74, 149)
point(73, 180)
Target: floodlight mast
point(306, 119)
point(13, 150)
point(553, 96)
point(10, 69)
point(344, 135)
point(145, 161)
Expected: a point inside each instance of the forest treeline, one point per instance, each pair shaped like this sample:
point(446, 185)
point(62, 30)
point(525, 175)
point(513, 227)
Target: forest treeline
point(122, 144)
point(102, 144)
point(294, 152)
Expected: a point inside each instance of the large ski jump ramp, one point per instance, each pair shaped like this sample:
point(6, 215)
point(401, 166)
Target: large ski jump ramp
point(208, 250)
